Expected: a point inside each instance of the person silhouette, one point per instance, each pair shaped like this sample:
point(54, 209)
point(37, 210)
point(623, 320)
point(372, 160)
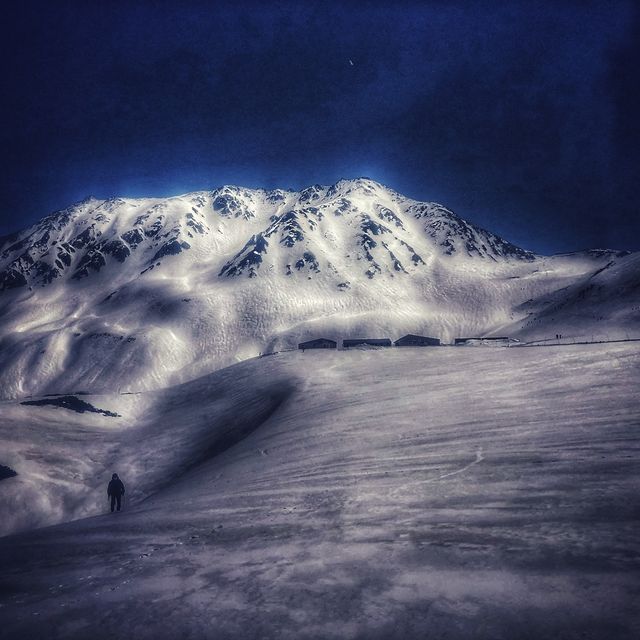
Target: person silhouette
point(115, 491)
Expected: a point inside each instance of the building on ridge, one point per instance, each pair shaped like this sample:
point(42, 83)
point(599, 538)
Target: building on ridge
point(411, 340)
point(372, 342)
point(318, 343)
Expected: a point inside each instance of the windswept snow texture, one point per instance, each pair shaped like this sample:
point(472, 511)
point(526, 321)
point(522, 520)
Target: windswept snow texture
point(135, 294)
point(387, 494)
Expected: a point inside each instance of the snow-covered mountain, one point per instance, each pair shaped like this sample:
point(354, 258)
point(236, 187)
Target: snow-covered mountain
point(137, 293)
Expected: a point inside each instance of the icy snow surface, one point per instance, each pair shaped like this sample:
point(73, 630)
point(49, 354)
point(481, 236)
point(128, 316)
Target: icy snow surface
point(392, 493)
point(136, 294)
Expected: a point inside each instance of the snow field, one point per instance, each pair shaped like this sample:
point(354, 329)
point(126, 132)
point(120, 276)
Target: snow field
point(392, 493)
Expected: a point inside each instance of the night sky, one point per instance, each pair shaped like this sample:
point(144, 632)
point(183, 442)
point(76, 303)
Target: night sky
point(522, 117)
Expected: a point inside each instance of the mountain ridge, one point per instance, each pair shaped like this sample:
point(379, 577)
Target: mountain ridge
point(23, 255)
point(138, 293)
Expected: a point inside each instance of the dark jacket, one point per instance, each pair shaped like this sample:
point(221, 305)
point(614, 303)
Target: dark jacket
point(115, 488)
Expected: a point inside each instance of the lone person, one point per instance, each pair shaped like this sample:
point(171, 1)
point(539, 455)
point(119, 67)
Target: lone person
point(115, 491)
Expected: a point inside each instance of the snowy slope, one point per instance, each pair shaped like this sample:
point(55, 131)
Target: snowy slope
point(397, 494)
point(132, 294)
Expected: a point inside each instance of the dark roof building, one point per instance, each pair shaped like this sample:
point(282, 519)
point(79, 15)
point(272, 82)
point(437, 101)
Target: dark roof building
point(411, 340)
point(318, 343)
point(373, 342)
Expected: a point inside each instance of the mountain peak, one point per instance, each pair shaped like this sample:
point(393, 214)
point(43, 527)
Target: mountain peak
point(196, 281)
point(354, 226)
point(362, 184)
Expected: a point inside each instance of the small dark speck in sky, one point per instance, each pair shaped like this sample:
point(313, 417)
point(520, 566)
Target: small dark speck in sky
point(520, 116)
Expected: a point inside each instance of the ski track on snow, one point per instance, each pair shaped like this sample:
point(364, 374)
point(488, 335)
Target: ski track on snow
point(403, 488)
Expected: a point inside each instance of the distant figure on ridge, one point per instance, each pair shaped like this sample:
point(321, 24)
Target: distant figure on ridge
point(115, 491)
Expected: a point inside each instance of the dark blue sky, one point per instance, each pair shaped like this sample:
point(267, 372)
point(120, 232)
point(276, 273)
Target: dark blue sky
point(520, 116)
